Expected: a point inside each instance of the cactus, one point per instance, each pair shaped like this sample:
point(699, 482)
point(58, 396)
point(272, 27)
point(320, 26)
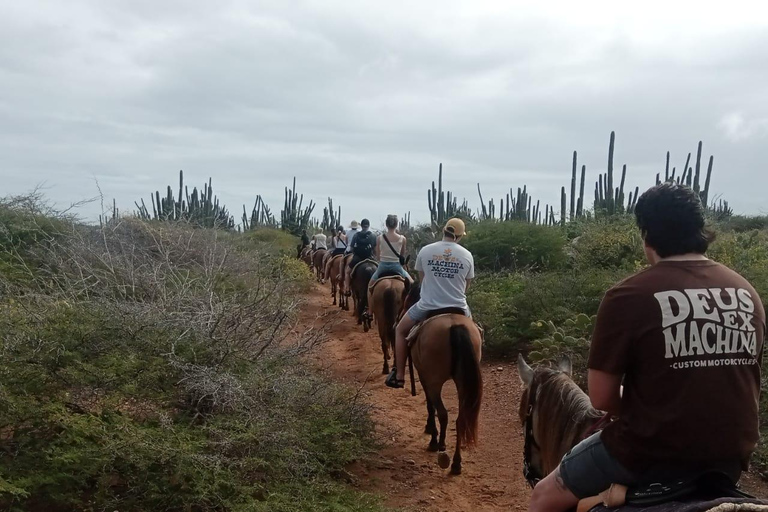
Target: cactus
point(573, 188)
point(261, 216)
point(331, 217)
point(295, 218)
point(201, 209)
point(444, 205)
point(405, 222)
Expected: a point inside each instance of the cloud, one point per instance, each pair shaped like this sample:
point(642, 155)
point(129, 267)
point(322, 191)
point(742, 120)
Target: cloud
point(362, 100)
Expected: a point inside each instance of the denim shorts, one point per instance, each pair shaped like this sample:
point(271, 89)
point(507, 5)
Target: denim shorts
point(588, 469)
point(389, 266)
point(418, 313)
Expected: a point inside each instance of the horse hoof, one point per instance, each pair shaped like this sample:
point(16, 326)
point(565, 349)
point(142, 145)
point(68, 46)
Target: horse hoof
point(456, 469)
point(443, 460)
point(433, 448)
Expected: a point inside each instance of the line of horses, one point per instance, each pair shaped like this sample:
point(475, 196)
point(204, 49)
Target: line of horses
point(554, 411)
point(445, 347)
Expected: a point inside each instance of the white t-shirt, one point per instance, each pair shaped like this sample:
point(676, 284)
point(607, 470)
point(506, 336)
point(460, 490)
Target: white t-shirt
point(320, 240)
point(446, 267)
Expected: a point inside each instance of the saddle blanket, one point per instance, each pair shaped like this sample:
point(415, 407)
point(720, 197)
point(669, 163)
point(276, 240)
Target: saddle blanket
point(719, 505)
point(414, 334)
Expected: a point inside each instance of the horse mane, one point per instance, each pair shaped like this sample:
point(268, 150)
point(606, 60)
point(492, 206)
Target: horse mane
point(563, 413)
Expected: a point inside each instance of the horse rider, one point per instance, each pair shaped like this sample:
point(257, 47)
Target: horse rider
point(354, 228)
point(362, 247)
point(445, 270)
point(390, 252)
point(685, 336)
point(339, 244)
point(304, 242)
point(319, 240)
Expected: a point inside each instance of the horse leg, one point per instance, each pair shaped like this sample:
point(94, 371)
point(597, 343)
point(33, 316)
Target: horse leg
point(431, 428)
point(443, 460)
point(456, 466)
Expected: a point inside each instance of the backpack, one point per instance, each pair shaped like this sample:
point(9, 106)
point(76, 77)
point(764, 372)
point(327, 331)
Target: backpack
point(364, 243)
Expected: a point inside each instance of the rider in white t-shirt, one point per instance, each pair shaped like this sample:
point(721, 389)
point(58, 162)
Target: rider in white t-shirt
point(445, 269)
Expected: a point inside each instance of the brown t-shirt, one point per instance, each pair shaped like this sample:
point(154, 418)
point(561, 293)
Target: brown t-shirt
point(688, 338)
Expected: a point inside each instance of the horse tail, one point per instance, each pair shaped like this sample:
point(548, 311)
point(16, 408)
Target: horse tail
point(390, 314)
point(466, 373)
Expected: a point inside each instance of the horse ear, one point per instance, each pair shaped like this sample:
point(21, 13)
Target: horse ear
point(524, 371)
point(565, 365)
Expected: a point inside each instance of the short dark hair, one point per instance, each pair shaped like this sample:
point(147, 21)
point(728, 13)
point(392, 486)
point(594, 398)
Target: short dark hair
point(671, 219)
point(391, 221)
point(365, 223)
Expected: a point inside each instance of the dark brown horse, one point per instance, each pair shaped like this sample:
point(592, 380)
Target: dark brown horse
point(306, 256)
point(386, 300)
point(447, 348)
point(317, 263)
point(359, 287)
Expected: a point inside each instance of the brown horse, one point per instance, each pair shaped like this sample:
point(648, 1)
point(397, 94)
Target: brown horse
point(359, 285)
point(561, 416)
point(343, 297)
point(306, 256)
point(317, 263)
point(446, 348)
point(332, 275)
point(385, 301)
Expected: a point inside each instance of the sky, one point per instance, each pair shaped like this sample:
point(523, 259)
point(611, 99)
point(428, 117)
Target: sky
point(362, 100)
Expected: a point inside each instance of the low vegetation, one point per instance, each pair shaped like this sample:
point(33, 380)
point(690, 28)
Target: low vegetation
point(149, 365)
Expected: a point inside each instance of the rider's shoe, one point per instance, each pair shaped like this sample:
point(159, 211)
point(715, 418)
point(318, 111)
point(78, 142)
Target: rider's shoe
point(392, 381)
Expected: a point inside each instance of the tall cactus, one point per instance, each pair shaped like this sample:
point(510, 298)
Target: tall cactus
point(444, 205)
point(331, 217)
point(295, 218)
point(260, 217)
point(201, 209)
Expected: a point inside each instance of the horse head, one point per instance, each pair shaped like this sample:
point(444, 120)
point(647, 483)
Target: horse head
point(554, 412)
point(412, 296)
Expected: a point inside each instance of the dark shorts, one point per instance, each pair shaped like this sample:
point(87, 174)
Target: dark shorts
point(336, 252)
point(588, 469)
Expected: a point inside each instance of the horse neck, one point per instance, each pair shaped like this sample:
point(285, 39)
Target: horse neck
point(563, 413)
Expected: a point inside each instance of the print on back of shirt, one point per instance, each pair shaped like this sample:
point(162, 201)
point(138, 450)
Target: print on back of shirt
point(708, 327)
point(445, 265)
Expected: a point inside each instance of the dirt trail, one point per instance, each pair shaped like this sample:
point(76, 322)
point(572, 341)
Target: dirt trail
point(403, 471)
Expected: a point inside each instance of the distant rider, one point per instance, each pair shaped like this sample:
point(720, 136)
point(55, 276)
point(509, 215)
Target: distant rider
point(362, 247)
point(390, 251)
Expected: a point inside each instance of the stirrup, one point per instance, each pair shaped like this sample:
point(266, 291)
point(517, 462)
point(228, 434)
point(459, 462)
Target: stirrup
point(392, 380)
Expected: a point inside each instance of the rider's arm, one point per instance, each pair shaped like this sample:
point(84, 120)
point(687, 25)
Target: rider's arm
point(378, 252)
point(466, 287)
point(605, 391)
point(610, 352)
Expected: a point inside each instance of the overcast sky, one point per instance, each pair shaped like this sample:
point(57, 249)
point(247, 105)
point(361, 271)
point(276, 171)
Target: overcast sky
point(362, 100)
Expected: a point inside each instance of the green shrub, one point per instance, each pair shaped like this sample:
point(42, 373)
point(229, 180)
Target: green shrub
point(571, 339)
point(144, 366)
point(515, 246)
point(270, 240)
point(507, 304)
point(612, 243)
point(742, 223)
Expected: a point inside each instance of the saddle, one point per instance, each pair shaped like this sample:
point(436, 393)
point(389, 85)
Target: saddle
point(364, 261)
point(709, 491)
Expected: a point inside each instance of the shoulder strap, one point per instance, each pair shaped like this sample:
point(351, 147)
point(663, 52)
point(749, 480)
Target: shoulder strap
point(390, 245)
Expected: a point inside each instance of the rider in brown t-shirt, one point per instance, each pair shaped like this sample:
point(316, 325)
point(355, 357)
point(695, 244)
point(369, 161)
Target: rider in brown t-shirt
point(685, 337)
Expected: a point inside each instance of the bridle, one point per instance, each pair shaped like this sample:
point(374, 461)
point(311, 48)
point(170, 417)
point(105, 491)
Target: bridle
point(531, 474)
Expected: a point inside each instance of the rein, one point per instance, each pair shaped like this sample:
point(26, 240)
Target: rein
point(531, 474)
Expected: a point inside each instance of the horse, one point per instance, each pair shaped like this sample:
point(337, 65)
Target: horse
point(306, 256)
point(332, 274)
point(359, 287)
point(448, 347)
point(556, 415)
point(385, 300)
point(343, 297)
point(560, 417)
point(317, 262)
